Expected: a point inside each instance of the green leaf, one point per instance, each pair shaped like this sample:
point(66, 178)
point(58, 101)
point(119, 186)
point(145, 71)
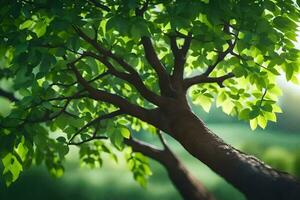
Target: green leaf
point(253, 114)
point(244, 114)
point(13, 166)
point(125, 132)
point(40, 29)
point(267, 107)
point(22, 151)
point(116, 139)
point(289, 71)
point(228, 106)
point(28, 24)
point(274, 71)
point(57, 171)
point(205, 102)
point(239, 71)
point(221, 99)
point(61, 139)
point(262, 122)
point(139, 28)
point(284, 23)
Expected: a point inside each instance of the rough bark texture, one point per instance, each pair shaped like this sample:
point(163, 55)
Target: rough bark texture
point(187, 185)
point(249, 175)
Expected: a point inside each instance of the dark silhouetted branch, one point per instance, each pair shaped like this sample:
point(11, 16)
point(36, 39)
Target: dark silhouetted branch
point(204, 79)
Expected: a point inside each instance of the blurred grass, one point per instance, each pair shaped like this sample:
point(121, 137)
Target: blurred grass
point(114, 181)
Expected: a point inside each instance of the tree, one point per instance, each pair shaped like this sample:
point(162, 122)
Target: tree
point(70, 63)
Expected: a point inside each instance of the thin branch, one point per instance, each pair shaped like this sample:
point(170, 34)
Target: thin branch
point(99, 5)
point(88, 140)
point(173, 45)
point(204, 79)
point(103, 51)
point(98, 119)
point(133, 77)
point(137, 146)
point(49, 118)
point(134, 80)
point(10, 96)
point(183, 36)
point(74, 83)
point(45, 118)
point(222, 55)
point(245, 59)
point(77, 95)
point(186, 44)
point(140, 11)
point(162, 139)
point(113, 99)
point(262, 98)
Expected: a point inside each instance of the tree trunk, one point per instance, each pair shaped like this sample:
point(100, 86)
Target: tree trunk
point(249, 175)
point(188, 186)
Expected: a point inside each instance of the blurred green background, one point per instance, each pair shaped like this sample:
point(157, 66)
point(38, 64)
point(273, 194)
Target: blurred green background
point(278, 145)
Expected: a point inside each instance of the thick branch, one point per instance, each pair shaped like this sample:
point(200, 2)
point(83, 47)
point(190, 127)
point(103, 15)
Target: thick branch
point(152, 58)
point(180, 57)
point(145, 148)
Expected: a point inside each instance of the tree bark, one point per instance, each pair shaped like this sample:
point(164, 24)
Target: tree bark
point(187, 185)
point(249, 175)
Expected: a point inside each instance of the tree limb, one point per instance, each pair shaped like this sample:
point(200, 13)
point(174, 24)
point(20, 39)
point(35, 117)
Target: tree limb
point(222, 55)
point(88, 140)
point(113, 99)
point(180, 57)
point(163, 76)
point(162, 139)
point(104, 52)
point(133, 77)
point(90, 81)
point(98, 119)
point(152, 58)
point(136, 81)
point(137, 146)
point(204, 79)
point(145, 148)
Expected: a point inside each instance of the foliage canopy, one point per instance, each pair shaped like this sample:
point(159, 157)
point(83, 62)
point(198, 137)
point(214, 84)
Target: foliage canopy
point(54, 54)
